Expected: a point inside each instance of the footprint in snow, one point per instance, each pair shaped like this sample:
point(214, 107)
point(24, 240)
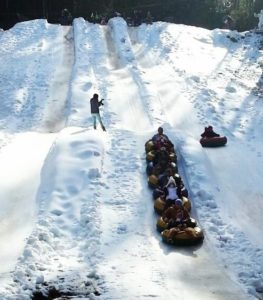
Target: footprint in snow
point(215, 118)
point(111, 176)
point(210, 204)
point(57, 212)
point(76, 144)
point(72, 190)
point(195, 187)
point(205, 195)
point(122, 228)
point(230, 89)
point(67, 205)
point(87, 86)
point(94, 173)
point(195, 78)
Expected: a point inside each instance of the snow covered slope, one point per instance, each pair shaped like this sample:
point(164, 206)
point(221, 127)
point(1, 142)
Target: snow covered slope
point(77, 215)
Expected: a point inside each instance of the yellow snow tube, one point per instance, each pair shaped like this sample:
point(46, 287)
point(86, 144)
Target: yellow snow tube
point(152, 181)
point(149, 146)
point(159, 204)
point(151, 154)
point(184, 237)
point(161, 225)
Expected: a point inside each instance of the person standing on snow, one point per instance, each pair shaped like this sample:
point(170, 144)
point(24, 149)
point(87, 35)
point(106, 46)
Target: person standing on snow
point(95, 111)
point(148, 19)
point(66, 17)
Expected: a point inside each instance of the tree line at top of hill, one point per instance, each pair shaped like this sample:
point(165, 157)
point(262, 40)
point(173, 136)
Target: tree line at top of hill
point(203, 13)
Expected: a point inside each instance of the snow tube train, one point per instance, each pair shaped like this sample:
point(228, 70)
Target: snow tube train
point(161, 168)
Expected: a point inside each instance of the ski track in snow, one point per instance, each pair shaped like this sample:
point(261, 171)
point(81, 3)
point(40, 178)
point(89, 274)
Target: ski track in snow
point(221, 233)
point(119, 236)
point(89, 65)
point(74, 246)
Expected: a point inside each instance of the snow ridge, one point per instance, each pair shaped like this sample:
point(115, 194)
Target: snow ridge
point(61, 251)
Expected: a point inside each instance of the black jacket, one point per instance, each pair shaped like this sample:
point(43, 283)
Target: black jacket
point(209, 133)
point(94, 105)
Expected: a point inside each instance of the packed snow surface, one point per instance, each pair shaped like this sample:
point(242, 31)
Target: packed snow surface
point(76, 213)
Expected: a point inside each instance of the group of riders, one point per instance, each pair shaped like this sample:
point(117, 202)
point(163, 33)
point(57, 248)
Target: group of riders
point(169, 193)
point(167, 184)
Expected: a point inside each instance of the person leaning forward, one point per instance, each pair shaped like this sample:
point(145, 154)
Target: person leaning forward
point(95, 110)
point(209, 132)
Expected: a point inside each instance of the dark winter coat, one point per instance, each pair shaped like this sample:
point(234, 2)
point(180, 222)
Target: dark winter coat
point(162, 157)
point(157, 137)
point(66, 17)
point(161, 140)
point(94, 105)
point(209, 133)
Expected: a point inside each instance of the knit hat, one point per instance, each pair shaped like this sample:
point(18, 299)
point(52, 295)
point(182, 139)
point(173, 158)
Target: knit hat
point(179, 202)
